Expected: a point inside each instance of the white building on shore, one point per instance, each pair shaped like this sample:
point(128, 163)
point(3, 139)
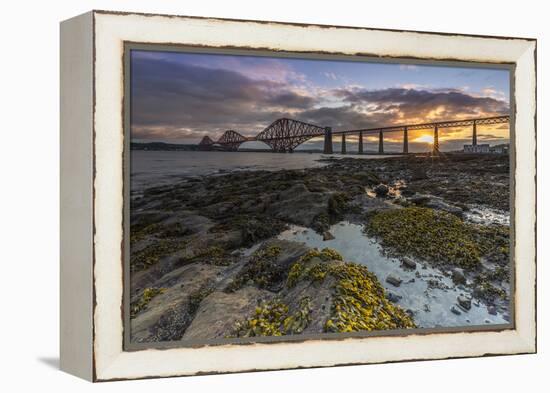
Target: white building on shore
point(486, 149)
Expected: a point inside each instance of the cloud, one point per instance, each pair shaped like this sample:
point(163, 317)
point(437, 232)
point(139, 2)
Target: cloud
point(413, 104)
point(183, 101)
point(173, 98)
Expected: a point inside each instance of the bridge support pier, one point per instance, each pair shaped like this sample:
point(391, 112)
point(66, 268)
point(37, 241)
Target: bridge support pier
point(360, 149)
point(328, 141)
point(405, 140)
point(474, 134)
point(343, 143)
point(380, 142)
point(436, 141)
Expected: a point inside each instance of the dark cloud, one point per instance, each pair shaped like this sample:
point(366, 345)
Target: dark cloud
point(413, 103)
point(179, 101)
point(177, 97)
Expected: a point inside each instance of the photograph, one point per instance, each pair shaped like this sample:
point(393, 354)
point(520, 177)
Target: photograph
point(284, 196)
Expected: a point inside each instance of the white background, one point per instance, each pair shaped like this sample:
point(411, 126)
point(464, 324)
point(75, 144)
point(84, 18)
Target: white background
point(29, 197)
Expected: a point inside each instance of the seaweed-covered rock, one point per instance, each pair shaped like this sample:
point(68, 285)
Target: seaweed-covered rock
point(269, 266)
point(458, 276)
point(436, 236)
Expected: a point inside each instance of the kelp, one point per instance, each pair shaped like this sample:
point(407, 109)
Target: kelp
point(273, 319)
point(152, 253)
point(360, 301)
point(437, 236)
point(146, 297)
point(261, 270)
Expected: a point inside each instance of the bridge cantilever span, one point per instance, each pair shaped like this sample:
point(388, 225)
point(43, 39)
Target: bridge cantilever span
point(284, 135)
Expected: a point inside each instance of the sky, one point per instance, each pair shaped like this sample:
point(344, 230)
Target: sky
point(181, 97)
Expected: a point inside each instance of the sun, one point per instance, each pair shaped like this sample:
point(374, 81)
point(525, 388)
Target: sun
point(425, 138)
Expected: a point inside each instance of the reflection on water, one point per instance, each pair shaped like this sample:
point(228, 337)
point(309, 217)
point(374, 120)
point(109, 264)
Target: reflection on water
point(425, 291)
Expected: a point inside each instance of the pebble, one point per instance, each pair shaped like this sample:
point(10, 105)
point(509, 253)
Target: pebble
point(408, 263)
point(492, 310)
point(393, 280)
point(464, 302)
point(381, 190)
point(454, 310)
point(327, 236)
point(393, 297)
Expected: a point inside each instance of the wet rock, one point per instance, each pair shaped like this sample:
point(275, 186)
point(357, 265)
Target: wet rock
point(327, 236)
point(218, 313)
point(440, 205)
point(394, 280)
point(464, 302)
point(454, 310)
point(410, 312)
point(458, 277)
point(393, 297)
point(381, 190)
point(436, 284)
point(407, 193)
point(419, 199)
point(492, 310)
point(408, 263)
point(301, 206)
point(419, 173)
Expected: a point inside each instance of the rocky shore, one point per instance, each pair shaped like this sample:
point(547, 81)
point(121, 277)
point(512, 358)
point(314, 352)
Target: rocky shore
point(206, 261)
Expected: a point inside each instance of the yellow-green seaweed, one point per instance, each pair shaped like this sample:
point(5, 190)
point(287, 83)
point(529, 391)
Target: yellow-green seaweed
point(272, 319)
point(437, 236)
point(146, 297)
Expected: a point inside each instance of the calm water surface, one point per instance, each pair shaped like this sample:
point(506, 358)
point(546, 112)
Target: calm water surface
point(154, 168)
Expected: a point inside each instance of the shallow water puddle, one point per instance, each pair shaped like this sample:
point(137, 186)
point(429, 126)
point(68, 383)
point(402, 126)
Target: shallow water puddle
point(486, 216)
point(431, 306)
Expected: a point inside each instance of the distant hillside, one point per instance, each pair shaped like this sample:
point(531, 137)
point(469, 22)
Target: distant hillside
point(162, 146)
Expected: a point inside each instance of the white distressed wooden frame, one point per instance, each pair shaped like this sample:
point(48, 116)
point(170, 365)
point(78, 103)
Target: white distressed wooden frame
point(92, 143)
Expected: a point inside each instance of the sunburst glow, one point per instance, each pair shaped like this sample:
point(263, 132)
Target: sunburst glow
point(425, 139)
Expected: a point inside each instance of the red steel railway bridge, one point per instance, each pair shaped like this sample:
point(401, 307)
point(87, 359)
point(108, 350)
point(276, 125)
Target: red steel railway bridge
point(284, 135)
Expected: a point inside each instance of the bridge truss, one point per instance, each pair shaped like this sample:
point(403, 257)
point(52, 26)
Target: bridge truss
point(284, 135)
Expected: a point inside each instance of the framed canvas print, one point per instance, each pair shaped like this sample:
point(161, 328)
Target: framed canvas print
point(246, 195)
